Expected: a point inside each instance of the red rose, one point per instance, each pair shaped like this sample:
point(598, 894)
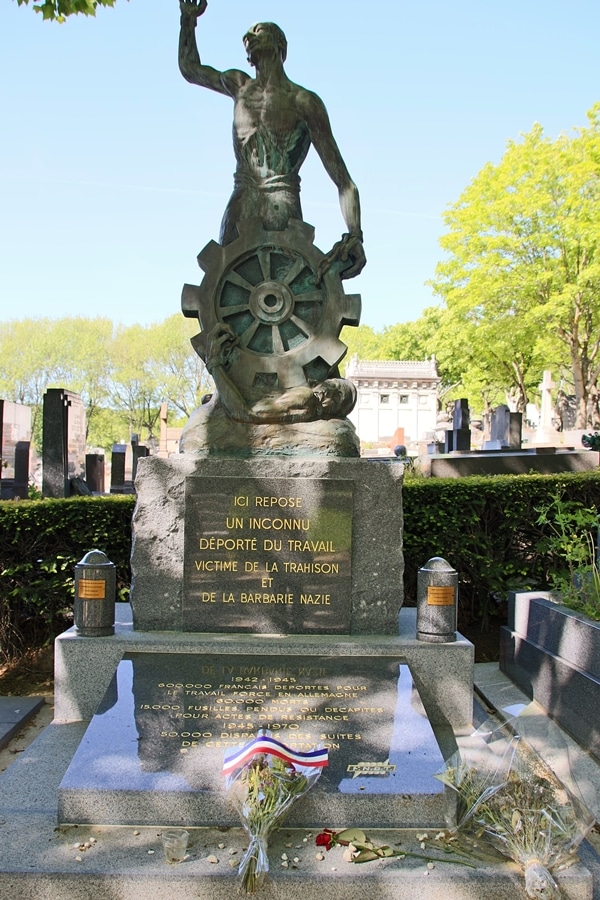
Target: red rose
point(326, 839)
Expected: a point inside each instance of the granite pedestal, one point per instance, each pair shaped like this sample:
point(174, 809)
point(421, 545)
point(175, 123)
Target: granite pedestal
point(153, 753)
point(266, 593)
point(297, 545)
point(341, 690)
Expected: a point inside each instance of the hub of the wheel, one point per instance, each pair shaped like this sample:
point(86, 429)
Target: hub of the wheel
point(271, 302)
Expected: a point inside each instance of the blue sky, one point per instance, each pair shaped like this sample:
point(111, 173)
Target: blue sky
point(114, 172)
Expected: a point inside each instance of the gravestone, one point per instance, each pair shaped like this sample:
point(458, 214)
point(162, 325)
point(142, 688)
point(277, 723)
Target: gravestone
point(167, 720)
point(216, 548)
point(138, 451)
point(63, 441)
point(15, 439)
point(94, 472)
point(545, 432)
point(117, 469)
point(124, 461)
point(515, 431)
point(505, 429)
point(459, 439)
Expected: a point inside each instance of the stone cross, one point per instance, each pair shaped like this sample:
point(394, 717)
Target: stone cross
point(545, 432)
point(546, 387)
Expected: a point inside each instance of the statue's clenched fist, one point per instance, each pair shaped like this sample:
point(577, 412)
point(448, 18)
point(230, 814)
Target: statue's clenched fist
point(193, 8)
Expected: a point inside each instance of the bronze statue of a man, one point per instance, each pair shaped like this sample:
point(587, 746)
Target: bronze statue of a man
point(274, 124)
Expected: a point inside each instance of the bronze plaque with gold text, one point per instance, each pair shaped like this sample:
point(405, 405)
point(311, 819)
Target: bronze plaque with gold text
point(268, 555)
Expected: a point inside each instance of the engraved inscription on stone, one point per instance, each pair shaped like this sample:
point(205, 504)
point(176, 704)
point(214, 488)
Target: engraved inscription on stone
point(189, 710)
point(269, 555)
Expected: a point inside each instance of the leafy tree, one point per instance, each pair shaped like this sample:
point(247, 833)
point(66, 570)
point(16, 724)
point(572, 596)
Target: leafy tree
point(73, 353)
point(59, 10)
point(521, 280)
point(122, 374)
point(30, 361)
point(136, 389)
point(86, 364)
point(362, 342)
point(154, 364)
point(183, 376)
point(413, 340)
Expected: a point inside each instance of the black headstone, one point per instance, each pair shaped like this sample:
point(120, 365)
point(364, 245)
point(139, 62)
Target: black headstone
point(117, 469)
point(515, 431)
point(500, 425)
point(63, 434)
point(461, 431)
point(461, 416)
point(94, 472)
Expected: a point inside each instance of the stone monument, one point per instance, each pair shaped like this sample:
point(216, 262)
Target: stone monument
point(267, 575)
point(267, 557)
point(63, 432)
point(505, 429)
point(546, 432)
point(15, 444)
point(459, 439)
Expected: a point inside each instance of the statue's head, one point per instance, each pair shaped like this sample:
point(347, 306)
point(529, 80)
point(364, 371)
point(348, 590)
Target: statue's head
point(264, 36)
point(336, 397)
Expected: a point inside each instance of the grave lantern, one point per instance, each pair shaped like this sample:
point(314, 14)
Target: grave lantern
point(95, 589)
point(437, 596)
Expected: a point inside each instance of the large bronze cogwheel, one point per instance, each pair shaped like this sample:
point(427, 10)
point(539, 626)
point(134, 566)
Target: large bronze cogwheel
point(263, 285)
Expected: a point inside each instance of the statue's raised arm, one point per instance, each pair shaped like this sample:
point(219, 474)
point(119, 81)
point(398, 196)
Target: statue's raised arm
point(190, 66)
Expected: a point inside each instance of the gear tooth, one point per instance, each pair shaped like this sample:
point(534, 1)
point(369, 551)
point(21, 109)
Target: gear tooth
point(190, 299)
point(198, 342)
point(332, 350)
point(351, 309)
point(316, 357)
point(210, 256)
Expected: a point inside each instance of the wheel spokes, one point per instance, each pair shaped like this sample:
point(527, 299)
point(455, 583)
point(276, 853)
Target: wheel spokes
point(247, 335)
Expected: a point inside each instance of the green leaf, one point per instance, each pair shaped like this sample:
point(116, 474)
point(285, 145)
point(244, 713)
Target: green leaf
point(351, 836)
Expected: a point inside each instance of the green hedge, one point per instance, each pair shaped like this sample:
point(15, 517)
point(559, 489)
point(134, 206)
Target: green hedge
point(40, 543)
point(485, 528)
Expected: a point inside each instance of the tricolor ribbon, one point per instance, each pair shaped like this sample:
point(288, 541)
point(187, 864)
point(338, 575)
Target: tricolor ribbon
point(264, 744)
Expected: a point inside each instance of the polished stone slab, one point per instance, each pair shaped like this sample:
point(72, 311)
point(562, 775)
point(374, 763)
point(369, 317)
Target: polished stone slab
point(552, 654)
point(16, 712)
point(154, 751)
point(561, 631)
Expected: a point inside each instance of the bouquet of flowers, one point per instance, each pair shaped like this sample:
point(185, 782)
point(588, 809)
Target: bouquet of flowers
point(264, 778)
point(504, 791)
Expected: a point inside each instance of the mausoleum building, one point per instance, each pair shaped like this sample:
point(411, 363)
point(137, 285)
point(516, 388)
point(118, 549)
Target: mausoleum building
point(393, 395)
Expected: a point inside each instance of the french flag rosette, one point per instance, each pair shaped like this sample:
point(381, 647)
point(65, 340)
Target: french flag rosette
point(264, 777)
point(264, 743)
